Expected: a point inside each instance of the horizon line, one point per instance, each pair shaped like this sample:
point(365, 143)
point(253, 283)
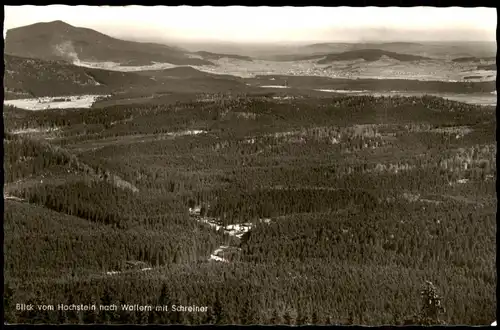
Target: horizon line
point(360, 39)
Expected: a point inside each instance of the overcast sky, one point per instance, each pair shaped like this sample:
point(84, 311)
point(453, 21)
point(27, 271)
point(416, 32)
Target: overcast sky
point(269, 24)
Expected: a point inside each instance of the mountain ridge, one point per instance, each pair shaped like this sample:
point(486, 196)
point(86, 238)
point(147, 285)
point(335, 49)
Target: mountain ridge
point(370, 55)
point(58, 40)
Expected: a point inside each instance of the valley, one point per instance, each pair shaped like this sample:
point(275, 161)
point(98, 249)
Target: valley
point(309, 167)
point(385, 68)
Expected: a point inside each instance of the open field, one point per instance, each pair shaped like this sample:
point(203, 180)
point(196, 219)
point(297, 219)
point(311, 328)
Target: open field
point(60, 102)
point(440, 70)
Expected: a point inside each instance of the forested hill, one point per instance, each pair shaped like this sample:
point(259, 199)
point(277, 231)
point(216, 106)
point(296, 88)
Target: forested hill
point(58, 40)
point(370, 55)
point(28, 77)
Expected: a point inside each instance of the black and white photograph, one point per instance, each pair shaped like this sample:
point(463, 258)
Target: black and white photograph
point(237, 165)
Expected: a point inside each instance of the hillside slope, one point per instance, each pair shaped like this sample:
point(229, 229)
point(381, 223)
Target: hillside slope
point(190, 80)
point(58, 40)
point(26, 78)
point(27, 159)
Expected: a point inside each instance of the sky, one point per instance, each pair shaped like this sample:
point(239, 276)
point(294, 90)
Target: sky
point(268, 24)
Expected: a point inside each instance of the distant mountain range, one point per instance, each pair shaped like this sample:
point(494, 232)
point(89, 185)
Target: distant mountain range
point(60, 41)
point(473, 59)
point(426, 49)
point(329, 47)
point(370, 55)
point(215, 56)
point(353, 55)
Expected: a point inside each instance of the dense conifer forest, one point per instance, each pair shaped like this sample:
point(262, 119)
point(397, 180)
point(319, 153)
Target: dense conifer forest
point(365, 199)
